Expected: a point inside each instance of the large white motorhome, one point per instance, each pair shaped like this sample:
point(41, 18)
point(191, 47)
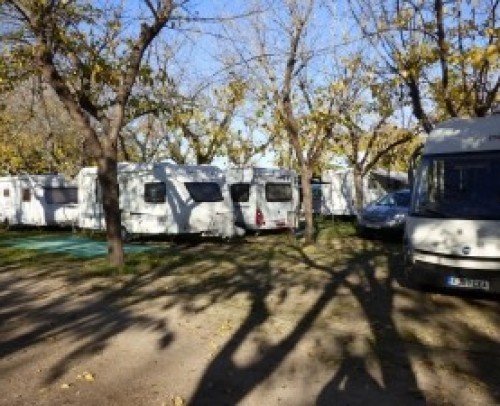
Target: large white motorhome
point(452, 235)
point(38, 200)
point(335, 194)
point(264, 198)
point(162, 198)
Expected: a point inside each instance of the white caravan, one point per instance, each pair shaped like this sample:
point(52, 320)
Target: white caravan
point(335, 195)
point(452, 235)
point(264, 198)
point(38, 200)
point(162, 198)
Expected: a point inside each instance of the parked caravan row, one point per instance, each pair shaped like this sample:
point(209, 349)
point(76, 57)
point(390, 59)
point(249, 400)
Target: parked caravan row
point(160, 198)
point(38, 200)
point(335, 194)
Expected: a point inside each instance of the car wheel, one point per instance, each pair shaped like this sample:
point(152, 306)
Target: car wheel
point(362, 231)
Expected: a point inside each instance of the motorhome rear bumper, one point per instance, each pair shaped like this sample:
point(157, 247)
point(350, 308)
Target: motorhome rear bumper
point(424, 273)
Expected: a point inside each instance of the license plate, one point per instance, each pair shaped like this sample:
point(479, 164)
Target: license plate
point(374, 226)
point(468, 283)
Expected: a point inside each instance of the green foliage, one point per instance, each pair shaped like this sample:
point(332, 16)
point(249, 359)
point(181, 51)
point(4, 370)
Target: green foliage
point(447, 55)
point(36, 133)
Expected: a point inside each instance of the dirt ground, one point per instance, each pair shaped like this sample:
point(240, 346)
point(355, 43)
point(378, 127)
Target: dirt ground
point(260, 322)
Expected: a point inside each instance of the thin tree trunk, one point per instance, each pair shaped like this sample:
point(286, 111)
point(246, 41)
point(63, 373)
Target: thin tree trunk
point(307, 203)
point(358, 189)
point(108, 179)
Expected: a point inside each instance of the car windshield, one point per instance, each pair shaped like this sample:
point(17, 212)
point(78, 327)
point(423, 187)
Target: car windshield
point(458, 186)
point(400, 199)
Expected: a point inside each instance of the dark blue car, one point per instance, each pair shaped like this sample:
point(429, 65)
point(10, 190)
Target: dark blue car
point(387, 213)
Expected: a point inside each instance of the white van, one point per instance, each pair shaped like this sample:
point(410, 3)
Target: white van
point(38, 200)
point(162, 198)
point(264, 198)
point(452, 235)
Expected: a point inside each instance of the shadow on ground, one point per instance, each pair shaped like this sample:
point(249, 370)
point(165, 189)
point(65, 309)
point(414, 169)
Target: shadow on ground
point(398, 336)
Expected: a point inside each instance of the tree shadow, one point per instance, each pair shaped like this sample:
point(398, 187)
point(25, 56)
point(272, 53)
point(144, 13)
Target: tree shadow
point(89, 321)
point(224, 382)
point(352, 383)
point(207, 274)
point(376, 297)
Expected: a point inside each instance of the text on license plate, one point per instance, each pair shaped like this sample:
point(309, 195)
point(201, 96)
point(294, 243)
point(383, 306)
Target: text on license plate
point(468, 283)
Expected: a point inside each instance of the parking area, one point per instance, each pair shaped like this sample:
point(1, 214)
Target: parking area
point(257, 321)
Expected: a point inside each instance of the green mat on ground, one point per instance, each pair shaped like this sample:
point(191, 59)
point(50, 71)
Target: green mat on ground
point(77, 246)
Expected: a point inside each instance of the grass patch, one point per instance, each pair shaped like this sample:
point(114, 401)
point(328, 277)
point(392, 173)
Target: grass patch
point(335, 228)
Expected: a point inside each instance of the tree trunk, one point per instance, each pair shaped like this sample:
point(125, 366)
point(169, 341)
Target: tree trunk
point(108, 179)
point(358, 189)
point(307, 202)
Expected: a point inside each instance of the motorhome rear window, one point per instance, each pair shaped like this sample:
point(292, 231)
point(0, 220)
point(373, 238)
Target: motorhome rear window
point(155, 192)
point(204, 191)
point(278, 192)
point(61, 195)
point(26, 195)
point(240, 192)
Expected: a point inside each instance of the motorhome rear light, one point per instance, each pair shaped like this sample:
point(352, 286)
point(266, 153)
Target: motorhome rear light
point(259, 218)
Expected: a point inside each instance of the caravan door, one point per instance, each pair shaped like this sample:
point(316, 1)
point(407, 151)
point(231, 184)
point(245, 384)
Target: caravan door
point(27, 212)
point(7, 204)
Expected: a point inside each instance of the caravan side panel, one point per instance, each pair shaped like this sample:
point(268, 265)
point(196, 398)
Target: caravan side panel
point(9, 201)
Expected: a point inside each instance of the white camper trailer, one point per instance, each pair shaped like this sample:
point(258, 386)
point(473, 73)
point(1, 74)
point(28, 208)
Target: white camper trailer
point(38, 200)
point(452, 235)
point(162, 198)
point(264, 198)
point(335, 195)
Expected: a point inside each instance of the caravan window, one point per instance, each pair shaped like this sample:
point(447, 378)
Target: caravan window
point(6, 193)
point(240, 192)
point(26, 195)
point(278, 192)
point(204, 191)
point(155, 192)
point(61, 195)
